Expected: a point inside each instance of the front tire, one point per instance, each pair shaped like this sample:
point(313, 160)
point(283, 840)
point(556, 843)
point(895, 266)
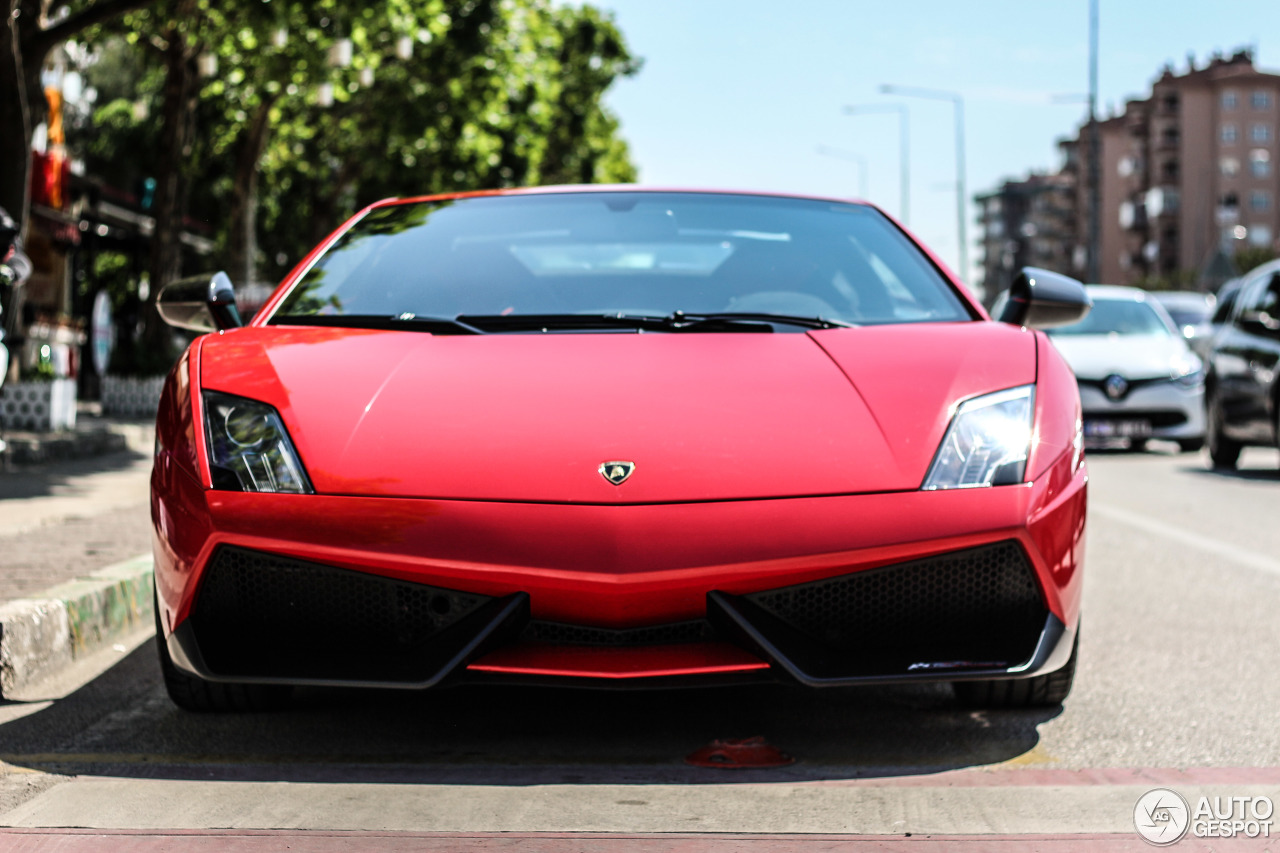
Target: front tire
point(1223, 452)
point(1041, 691)
point(193, 693)
point(1190, 445)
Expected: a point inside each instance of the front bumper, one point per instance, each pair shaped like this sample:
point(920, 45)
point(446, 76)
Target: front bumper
point(1172, 411)
point(635, 595)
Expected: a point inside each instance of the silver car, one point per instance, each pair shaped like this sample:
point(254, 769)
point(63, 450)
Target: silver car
point(1138, 377)
point(1191, 312)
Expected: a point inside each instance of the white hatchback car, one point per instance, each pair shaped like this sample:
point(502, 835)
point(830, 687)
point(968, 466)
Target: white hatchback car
point(1138, 377)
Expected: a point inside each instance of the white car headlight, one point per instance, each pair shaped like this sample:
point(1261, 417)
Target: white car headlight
point(986, 443)
point(249, 450)
point(1189, 373)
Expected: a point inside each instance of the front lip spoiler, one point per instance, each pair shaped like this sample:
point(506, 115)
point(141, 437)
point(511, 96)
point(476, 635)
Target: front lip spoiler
point(501, 621)
point(738, 619)
point(496, 623)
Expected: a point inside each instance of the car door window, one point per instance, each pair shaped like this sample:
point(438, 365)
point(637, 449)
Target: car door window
point(1226, 303)
point(1251, 295)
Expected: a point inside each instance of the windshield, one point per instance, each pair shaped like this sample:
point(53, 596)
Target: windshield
point(1117, 317)
point(1188, 311)
point(1188, 315)
point(632, 253)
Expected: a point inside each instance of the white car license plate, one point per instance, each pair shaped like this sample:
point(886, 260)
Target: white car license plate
point(1117, 429)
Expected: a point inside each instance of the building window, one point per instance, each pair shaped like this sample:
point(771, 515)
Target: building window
point(1260, 235)
point(1229, 133)
point(1261, 99)
point(1260, 162)
point(1260, 200)
point(1229, 166)
point(1260, 133)
point(1228, 100)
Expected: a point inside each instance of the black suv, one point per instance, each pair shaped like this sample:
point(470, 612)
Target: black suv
point(1242, 390)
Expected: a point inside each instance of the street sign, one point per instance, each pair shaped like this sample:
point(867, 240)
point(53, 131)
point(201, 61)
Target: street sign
point(103, 331)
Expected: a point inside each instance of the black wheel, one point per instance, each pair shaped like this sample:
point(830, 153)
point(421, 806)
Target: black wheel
point(1190, 445)
point(1137, 445)
point(192, 693)
point(1223, 452)
point(1038, 692)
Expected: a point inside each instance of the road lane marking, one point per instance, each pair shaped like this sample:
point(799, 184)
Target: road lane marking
point(1218, 547)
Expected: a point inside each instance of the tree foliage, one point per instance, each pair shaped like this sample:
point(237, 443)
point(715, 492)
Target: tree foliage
point(495, 93)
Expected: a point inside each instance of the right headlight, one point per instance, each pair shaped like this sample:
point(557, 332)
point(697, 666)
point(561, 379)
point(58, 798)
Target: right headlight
point(249, 450)
point(987, 442)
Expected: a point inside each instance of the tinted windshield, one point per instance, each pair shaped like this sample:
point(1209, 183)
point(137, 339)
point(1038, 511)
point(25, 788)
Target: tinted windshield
point(1184, 316)
point(1117, 317)
point(626, 252)
point(1188, 312)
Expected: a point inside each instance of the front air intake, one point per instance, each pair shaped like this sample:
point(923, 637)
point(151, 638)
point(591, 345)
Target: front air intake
point(262, 615)
point(980, 608)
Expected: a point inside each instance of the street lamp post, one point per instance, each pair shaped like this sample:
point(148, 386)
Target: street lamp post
point(1093, 271)
point(957, 102)
point(841, 154)
point(904, 156)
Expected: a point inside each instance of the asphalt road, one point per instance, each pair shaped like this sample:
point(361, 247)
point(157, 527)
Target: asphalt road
point(1176, 686)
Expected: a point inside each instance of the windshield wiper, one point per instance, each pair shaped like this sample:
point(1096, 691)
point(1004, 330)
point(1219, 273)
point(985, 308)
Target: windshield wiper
point(677, 321)
point(398, 322)
point(481, 324)
point(638, 322)
point(760, 317)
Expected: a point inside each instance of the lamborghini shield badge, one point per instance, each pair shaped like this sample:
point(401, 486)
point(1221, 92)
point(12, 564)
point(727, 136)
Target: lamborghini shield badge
point(616, 472)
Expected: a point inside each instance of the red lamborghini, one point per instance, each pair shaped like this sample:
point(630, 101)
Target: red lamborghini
point(619, 437)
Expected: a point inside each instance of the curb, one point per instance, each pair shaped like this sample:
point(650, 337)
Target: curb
point(41, 636)
point(93, 439)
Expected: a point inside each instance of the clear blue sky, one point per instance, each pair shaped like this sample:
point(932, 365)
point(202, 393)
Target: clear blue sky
point(740, 93)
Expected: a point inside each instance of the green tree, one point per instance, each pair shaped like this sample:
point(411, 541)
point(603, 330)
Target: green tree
point(496, 94)
point(1251, 257)
point(439, 95)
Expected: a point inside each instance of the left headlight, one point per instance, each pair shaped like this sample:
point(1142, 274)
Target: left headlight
point(1189, 373)
point(249, 449)
point(987, 442)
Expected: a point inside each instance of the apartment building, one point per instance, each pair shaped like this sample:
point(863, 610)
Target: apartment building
point(1026, 223)
point(1188, 176)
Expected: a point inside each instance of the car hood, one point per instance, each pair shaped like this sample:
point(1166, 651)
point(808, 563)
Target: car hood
point(1131, 356)
point(713, 416)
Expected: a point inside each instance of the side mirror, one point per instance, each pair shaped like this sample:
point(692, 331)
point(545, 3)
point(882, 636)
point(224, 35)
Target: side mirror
point(201, 303)
point(1042, 300)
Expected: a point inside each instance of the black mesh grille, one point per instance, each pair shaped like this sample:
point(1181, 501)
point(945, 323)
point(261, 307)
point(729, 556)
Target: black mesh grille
point(583, 635)
point(981, 605)
point(261, 614)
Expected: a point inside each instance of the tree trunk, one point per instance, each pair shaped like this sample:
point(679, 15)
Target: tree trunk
point(242, 244)
point(175, 136)
point(24, 44)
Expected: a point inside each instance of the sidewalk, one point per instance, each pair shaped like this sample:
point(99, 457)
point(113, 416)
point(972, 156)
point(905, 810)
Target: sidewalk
point(60, 524)
point(93, 436)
